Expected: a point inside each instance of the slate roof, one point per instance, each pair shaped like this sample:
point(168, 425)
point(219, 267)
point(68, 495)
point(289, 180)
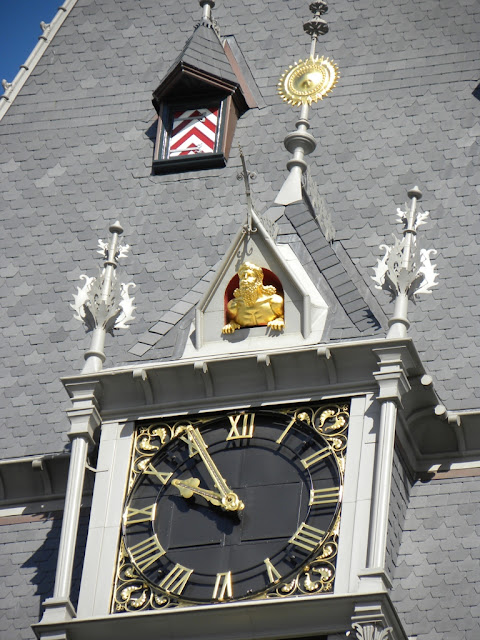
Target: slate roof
point(76, 152)
point(436, 585)
point(204, 51)
point(28, 556)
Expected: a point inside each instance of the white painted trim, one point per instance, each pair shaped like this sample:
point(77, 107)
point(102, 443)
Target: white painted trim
point(452, 466)
point(6, 100)
point(105, 519)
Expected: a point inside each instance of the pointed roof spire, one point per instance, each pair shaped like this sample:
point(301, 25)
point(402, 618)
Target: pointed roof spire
point(303, 83)
point(203, 63)
point(207, 6)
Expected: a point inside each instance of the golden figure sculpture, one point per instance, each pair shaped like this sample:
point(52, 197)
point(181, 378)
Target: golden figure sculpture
point(254, 304)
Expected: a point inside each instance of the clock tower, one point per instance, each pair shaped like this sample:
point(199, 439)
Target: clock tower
point(249, 478)
point(247, 435)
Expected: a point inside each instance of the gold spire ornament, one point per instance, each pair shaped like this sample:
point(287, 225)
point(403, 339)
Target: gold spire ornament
point(308, 80)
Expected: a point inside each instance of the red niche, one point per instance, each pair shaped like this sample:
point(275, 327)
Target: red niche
point(268, 278)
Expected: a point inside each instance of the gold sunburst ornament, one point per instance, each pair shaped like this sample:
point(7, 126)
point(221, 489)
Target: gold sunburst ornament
point(308, 80)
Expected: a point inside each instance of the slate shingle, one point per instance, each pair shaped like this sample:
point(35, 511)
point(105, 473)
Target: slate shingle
point(437, 567)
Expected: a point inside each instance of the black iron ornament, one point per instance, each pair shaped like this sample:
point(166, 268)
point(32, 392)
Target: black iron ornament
point(317, 26)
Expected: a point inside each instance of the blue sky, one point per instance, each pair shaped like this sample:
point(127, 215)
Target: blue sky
point(20, 20)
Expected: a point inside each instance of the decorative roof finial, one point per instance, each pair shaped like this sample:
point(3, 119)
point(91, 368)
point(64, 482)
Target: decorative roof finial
point(248, 228)
point(207, 6)
point(316, 26)
point(103, 304)
point(405, 270)
point(305, 82)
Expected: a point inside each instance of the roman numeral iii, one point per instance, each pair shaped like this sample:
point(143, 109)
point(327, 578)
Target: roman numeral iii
point(324, 496)
point(307, 537)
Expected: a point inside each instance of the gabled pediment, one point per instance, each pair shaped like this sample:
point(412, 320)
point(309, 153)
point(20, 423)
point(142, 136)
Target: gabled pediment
point(304, 308)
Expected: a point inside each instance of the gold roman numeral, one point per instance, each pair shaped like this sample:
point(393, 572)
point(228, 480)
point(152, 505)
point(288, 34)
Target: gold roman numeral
point(324, 496)
point(192, 447)
point(161, 475)
point(246, 427)
point(134, 516)
point(273, 574)
point(289, 426)
point(146, 552)
point(223, 586)
point(316, 457)
point(175, 581)
point(307, 537)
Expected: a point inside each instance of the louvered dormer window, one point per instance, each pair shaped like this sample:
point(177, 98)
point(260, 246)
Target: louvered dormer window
point(198, 103)
point(194, 136)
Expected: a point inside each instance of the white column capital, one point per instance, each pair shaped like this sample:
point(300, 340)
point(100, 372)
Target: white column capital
point(392, 376)
point(84, 413)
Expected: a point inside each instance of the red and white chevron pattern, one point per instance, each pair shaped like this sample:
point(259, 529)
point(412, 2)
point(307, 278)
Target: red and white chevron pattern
point(193, 131)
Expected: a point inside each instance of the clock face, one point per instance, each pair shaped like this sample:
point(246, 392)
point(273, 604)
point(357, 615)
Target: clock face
point(232, 507)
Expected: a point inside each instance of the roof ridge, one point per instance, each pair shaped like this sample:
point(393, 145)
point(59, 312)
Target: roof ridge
point(49, 31)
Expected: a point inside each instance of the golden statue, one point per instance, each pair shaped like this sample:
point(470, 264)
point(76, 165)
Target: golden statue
point(254, 304)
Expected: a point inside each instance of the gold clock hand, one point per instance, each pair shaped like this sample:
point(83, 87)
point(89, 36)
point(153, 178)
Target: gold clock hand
point(230, 500)
point(188, 487)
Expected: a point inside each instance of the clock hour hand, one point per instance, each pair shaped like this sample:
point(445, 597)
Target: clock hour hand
point(191, 486)
point(230, 500)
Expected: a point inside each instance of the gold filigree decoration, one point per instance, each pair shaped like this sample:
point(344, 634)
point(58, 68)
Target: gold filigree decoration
point(131, 592)
point(149, 440)
point(308, 80)
point(317, 576)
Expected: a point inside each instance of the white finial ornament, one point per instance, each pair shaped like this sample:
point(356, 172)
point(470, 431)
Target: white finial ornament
point(104, 304)
point(405, 270)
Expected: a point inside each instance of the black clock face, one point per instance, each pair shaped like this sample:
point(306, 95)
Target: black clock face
point(233, 507)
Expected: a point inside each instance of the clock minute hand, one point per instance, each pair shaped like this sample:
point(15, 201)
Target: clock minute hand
point(230, 500)
point(188, 487)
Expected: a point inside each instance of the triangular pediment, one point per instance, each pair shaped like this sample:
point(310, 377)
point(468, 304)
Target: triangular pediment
point(304, 308)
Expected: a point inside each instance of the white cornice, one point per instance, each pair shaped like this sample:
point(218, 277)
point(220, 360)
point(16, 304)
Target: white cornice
point(256, 620)
point(6, 100)
point(310, 372)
